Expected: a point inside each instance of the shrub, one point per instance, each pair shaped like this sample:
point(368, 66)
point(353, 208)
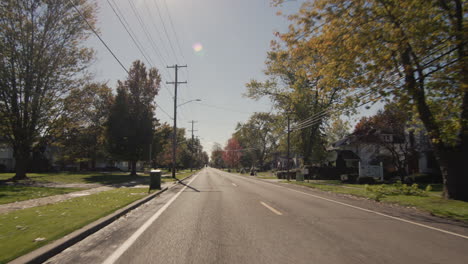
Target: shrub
point(380, 191)
point(3, 168)
point(366, 180)
point(376, 192)
point(351, 178)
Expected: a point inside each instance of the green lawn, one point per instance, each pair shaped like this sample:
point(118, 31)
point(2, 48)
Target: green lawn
point(266, 175)
point(25, 230)
point(432, 203)
point(82, 177)
point(11, 194)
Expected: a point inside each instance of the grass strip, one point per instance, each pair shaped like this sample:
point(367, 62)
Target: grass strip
point(435, 205)
point(81, 177)
point(11, 194)
point(24, 230)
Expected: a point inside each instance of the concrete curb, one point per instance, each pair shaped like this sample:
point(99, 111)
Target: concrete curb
point(44, 253)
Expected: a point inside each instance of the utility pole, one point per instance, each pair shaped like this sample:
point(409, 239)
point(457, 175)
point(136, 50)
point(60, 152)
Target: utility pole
point(287, 162)
point(174, 136)
point(191, 160)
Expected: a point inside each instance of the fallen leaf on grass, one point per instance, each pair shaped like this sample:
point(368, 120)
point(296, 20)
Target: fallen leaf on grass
point(39, 239)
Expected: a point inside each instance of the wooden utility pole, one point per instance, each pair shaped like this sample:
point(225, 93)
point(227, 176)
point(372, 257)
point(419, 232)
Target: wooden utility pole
point(174, 135)
point(192, 149)
point(287, 162)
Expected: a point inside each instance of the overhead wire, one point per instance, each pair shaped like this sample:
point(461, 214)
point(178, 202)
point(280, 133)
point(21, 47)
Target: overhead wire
point(123, 21)
point(97, 35)
point(145, 31)
point(173, 29)
point(165, 29)
point(129, 30)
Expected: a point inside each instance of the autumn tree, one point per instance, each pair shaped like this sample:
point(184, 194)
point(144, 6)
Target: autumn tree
point(216, 158)
point(411, 51)
point(390, 129)
point(232, 153)
point(131, 120)
point(336, 130)
point(41, 61)
point(294, 84)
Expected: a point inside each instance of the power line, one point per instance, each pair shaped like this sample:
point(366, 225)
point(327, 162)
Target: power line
point(165, 29)
point(157, 31)
point(145, 30)
point(97, 35)
point(123, 22)
point(173, 29)
point(222, 108)
point(132, 35)
point(164, 111)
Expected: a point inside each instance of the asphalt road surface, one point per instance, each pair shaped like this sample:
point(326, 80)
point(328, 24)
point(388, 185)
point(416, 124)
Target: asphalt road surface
point(226, 218)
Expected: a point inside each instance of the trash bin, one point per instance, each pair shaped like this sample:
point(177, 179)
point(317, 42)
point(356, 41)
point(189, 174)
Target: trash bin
point(155, 179)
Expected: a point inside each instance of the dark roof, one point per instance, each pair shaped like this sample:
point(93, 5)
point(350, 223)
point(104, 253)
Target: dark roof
point(348, 154)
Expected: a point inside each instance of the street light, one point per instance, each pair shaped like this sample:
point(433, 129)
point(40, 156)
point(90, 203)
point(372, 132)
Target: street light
point(174, 137)
point(193, 100)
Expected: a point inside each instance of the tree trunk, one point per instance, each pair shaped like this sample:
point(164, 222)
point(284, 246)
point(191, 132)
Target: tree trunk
point(22, 161)
point(133, 171)
point(454, 174)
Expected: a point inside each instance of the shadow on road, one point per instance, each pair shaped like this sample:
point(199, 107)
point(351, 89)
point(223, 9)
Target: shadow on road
point(188, 186)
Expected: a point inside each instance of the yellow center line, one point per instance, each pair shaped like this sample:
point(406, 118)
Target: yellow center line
point(271, 208)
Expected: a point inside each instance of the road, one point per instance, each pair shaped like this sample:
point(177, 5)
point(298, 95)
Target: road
point(226, 218)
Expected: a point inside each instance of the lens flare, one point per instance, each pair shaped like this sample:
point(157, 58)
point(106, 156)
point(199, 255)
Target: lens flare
point(197, 47)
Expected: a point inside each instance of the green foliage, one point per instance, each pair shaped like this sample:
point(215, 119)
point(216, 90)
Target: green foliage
point(259, 138)
point(380, 191)
point(41, 60)
point(412, 52)
point(131, 120)
point(83, 138)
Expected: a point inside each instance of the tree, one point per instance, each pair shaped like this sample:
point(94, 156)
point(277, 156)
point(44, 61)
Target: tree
point(336, 130)
point(82, 137)
point(216, 159)
point(41, 61)
point(232, 153)
point(392, 122)
point(162, 146)
point(259, 137)
point(131, 120)
point(295, 85)
point(411, 51)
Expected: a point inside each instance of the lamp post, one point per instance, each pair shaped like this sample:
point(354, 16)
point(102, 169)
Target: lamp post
point(174, 140)
point(189, 101)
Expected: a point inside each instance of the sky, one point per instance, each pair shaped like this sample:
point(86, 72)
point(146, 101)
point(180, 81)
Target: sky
point(222, 42)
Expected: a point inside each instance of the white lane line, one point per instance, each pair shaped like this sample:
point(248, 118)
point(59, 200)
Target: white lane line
point(271, 208)
point(235, 185)
point(119, 252)
point(369, 211)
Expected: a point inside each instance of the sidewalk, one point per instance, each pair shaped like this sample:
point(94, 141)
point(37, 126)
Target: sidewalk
point(5, 208)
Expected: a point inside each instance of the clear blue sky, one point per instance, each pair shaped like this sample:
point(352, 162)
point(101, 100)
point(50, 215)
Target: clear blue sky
point(234, 36)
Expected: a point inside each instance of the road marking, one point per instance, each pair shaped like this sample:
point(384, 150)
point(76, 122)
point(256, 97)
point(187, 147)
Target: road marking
point(119, 252)
point(366, 210)
point(235, 185)
point(271, 208)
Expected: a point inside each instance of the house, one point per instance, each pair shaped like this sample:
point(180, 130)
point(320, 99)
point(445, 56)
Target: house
point(412, 150)
point(7, 161)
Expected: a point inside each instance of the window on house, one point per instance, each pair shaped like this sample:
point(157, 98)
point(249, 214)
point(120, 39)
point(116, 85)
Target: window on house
point(387, 138)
